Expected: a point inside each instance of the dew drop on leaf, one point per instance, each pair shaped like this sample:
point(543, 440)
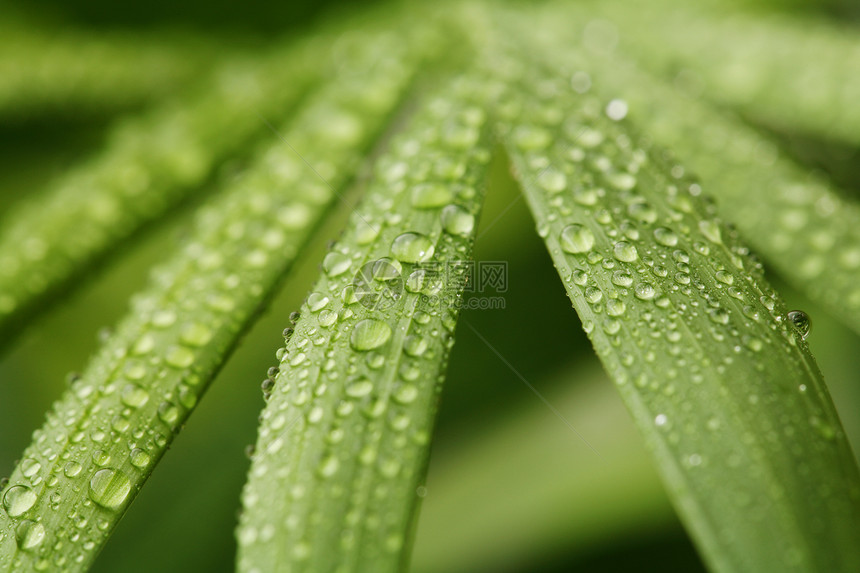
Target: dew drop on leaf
point(18, 500)
point(109, 488)
point(801, 322)
point(431, 195)
point(576, 239)
point(625, 251)
point(335, 264)
point(30, 535)
point(412, 248)
point(369, 334)
point(457, 221)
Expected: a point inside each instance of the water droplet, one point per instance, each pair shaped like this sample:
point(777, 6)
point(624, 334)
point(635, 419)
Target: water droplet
point(335, 264)
point(139, 458)
point(615, 307)
point(801, 321)
point(665, 237)
point(412, 248)
point(552, 180)
point(359, 388)
point(593, 295)
point(576, 239)
point(644, 291)
point(30, 467)
point(711, 231)
point(625, 251)
point(431, 195)
point(30, 535)
point(369, 334)
point(195, 334)
point(317, 301)
point(18, 500)
point(328, 467)
point(179, 357)
point(134, 396)
point(72, 469)
point(622, 278)
point(415, 345)
point(109, 488)
point(457, 221)
point(643, 212)
point(725, 277)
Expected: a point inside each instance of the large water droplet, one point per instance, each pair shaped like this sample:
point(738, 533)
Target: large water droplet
point(576, 239)
point(412, 248)
point(18, 500)
point(369, 334)
point(109, 488)
point(801, 321)
point(30, 535)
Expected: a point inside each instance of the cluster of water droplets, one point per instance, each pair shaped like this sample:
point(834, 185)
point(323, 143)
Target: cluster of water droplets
point(364, 359)
point(119, 416)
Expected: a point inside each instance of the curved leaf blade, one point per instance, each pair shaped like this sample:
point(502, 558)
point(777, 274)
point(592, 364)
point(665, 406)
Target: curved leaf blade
point(104, 436)
point(720, 384)
point(344, 437)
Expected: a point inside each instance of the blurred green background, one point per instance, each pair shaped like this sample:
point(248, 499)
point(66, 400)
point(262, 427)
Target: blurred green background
point(510, 487)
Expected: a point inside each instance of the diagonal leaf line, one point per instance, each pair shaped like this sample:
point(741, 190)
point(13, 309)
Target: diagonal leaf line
point(520, 195)
point(531, 387)
point(311, 167)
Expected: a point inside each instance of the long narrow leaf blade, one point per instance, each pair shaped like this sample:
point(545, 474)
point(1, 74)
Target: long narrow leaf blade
point(150, 164)
point(344, 437)
point(718, 380)
point(812, 235)
point(103, 438)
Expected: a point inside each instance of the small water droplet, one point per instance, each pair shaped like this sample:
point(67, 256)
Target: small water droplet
point(665, 237)
point(431, 195)
point(335, 264)
point(615, 307)
point(625, 251)
point(359, 388)
point(412, 248)
point(457, 221)
point(139, 458)
point(134, 396)
point(179, 357)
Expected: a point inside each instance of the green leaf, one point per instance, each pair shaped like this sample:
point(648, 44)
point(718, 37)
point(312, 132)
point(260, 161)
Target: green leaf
point(788, 71)
point(718, 380)
point(798, 222)
point(70, 72)
point(150, 164)
point(104, 436)
point(344, 437)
